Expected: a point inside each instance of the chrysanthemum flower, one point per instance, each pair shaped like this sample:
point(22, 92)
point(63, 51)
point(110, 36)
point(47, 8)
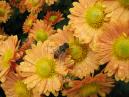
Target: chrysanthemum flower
point(113, 47)
point(41, 31)
point(15, 3)
point(90, 87)
point(42, 72)
point(7, 51)
point(119, 9)
point(21, 6)
point(29, 23)
point(5, 11)
point(18, 4)
point(53, 17)
point(50, 2)
point(58, 39)
point(34, 6)
point(14, 86)
point(88, 17)
point(85, 60)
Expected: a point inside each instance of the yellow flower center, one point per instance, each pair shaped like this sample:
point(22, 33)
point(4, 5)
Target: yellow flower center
point(88, 90)
point(95, 16)
point(2, 12)
point(121, 48)
point(29, 22)
point(53, 18)
point(34, 2)
point(41, 35)
point(124, 3)
point(45, 67)
point(77, 51)
point(7, 57)
point(21, 89)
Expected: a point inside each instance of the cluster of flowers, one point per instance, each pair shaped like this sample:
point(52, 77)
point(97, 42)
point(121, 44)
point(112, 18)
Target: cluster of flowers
point(66, 59)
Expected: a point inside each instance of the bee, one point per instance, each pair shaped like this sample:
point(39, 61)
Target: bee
point(62, 49)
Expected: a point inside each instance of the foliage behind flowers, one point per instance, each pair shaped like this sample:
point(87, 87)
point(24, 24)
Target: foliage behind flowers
point(73, 48)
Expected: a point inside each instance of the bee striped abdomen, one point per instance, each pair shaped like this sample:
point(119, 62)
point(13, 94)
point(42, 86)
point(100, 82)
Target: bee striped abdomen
point(62, 49)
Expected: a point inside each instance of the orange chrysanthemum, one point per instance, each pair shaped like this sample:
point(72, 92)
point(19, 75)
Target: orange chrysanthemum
point(119, 9)
point(29, 23)
point(5, 11)
point(54, 42)
point(34, 6)
point(81, 58)
point(14, 86)
point(41, 31)
point(43, 74)
point(21, 6)
point(17, 4)
point(13, 2)
point(90, 87)
point(50, 2)
point(59, 38)
point(53, 17)
point(7, 52)
point(113, 49)
point(88, 17)
point(85, 60)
